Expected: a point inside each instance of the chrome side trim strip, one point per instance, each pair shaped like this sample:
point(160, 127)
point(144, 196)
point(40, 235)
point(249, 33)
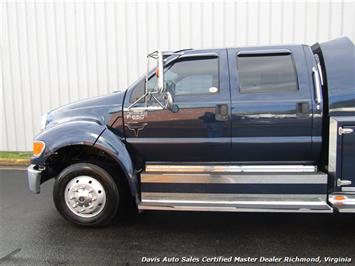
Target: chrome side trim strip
point(210, 197)
point(268, 140)
point(231, 168)
point(279, 204)
point(241, 178)
point(178, 140)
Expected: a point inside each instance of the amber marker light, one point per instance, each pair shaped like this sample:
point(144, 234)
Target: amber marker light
point(339, 197)
point(38, 148)
point(157, 72)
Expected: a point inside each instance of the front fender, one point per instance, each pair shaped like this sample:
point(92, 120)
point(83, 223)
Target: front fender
point(66, 134)
point(87, 133)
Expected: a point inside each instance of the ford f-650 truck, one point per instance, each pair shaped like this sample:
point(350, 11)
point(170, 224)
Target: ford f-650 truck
point(252, 129)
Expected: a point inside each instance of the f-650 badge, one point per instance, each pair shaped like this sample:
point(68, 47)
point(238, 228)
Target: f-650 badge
point(136, 114)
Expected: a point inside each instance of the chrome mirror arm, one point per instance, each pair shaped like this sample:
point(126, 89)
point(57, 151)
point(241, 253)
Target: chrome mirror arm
point(149, 93)
point(155, 98)
point(136, 101)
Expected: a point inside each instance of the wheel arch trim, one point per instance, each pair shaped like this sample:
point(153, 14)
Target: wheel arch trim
point(114, 147)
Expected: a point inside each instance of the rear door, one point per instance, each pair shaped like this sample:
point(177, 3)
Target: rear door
point(272, 107)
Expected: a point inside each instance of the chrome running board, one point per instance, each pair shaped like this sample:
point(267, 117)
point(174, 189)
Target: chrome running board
point(321, 209)
point(234, 178)
point(236, 203)
point(234, 188)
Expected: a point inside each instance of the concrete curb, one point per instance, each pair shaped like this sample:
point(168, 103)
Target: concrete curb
point(16, 162)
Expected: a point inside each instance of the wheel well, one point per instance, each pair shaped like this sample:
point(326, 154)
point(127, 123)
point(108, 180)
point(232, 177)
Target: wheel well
point(68, 155)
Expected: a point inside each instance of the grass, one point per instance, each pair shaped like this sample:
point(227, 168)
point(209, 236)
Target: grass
point(15, 155)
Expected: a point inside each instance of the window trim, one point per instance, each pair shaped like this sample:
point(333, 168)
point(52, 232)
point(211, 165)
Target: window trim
point(261, 53)
point(267, 52)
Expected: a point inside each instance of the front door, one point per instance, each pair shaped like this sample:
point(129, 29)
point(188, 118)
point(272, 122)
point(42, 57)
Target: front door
point(200, 130)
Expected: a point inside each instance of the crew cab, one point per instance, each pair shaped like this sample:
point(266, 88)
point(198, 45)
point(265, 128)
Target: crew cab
point(250, 129)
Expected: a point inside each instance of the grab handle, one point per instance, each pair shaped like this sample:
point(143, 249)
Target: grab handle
point(317, 87)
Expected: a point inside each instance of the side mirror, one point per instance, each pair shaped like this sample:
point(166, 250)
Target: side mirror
point(170, 105)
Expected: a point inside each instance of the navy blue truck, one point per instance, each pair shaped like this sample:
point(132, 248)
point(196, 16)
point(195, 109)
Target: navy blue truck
point(251, 129)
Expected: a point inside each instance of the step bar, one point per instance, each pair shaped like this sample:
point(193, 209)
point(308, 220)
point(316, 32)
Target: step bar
point(234, 178)
point(321, 209)
point(233, 188)
point(236, 203)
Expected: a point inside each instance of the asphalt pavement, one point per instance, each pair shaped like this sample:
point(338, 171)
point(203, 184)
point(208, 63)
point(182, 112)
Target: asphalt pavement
point(33, 233)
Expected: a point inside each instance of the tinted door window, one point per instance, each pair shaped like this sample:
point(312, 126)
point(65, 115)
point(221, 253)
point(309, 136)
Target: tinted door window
point(266, 73)
point(196, 76)
point(185, 77)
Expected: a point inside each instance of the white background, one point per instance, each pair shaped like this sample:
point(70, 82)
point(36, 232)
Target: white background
point(56, 53)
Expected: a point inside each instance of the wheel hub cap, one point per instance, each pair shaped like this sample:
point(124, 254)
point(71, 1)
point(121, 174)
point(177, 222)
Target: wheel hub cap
point(85, 196)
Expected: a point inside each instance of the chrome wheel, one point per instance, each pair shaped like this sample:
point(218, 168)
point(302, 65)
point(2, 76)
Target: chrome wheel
point(85, 196)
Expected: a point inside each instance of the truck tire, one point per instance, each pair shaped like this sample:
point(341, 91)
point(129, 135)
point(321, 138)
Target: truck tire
point(87, 195)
